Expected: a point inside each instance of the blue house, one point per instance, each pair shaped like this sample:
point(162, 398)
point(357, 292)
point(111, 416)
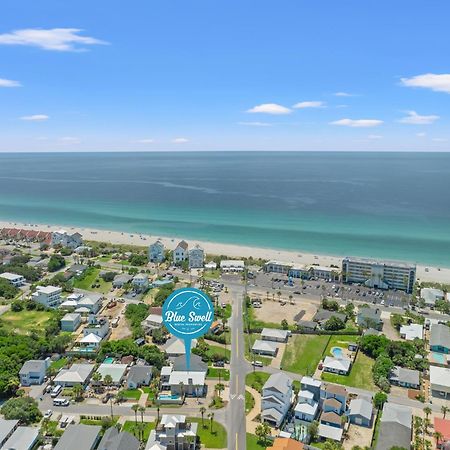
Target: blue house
point(360, 412)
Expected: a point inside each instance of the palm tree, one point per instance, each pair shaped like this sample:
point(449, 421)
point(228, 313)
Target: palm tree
point(142, 411)
point(202, 412)
point(135, 408)
point(211, 419)
point(181, 389)
point(157, 414)
point(78, 391)
point(107, 381)
point(97, 377)
point(438, 436)
point(427, 411)
point(445, 410)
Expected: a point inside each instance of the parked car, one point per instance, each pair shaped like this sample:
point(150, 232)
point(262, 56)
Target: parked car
point(48, 414)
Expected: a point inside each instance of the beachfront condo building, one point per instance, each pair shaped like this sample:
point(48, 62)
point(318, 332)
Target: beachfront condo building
point(156, 252)
point(379, 274)
point(196, 257)
point(65, 239)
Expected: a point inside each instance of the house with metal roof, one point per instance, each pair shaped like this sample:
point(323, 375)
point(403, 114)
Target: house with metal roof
point(440, 338)
point(115, 371)
point(440, 382)
point(411, 332)
point(405, 377)
point(7, 428)
point(77, 437)
point(360, 412)
point(274, 334)
point(23, 438)
point(267, 348)
point(325, 431)
point(276, 398)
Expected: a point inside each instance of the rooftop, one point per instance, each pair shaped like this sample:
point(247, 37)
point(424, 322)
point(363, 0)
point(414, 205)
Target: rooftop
point(280, 382)
point(77, 437)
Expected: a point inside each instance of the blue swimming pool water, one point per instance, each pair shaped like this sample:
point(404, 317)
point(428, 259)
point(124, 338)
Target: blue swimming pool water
point(108, 360)
point(439, 357)
point(168, 397)
point(337, 352)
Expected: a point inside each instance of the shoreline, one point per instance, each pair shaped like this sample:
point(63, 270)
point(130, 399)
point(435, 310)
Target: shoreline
point(435, 274)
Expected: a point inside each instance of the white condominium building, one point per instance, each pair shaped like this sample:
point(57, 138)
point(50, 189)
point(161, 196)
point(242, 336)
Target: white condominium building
point(379, 274)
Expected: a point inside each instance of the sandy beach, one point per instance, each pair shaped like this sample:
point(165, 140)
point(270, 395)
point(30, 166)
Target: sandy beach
point(424, 273)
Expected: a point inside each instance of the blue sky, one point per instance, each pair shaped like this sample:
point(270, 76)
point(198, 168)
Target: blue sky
point(224, 75)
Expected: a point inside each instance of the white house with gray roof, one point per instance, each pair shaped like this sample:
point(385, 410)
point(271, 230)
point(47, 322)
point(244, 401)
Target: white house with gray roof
point(275, 334)
point(395, 427)
point(340, 366)
point(405, 377)
point(77, 374)
point(431, 295)
point(440, 382)
point(360, 412)
point(70, 322)
point(33, 372)
point(266, 348)
point(23, 438)
point(49, 296)
point(307, 407)
point(276, 398)
point(173, 433)
point(411, 332)
point(13, 278)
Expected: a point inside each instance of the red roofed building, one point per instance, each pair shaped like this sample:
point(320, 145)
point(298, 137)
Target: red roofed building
point(442, 426)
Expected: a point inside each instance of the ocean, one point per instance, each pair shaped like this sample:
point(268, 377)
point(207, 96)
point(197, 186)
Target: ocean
point(384, 205)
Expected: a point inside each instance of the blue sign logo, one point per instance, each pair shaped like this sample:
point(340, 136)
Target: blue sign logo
point(188, 314)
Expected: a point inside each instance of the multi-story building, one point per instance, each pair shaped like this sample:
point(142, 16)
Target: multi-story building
point(196, 257)
point(33, 372)
point(276, 398)
point(379, 274)
point(63, 238)
point(12, 278)
point(98, 326)
point(49, 296)
point(156, 252)
point(180, 253)
point(174, 433)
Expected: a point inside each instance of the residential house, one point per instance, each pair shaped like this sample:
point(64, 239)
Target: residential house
point(276, 398)
point(49, 296)
point(140, 282)
point(411, 332)
point(266, 348)
point(65, 239)
point(156, 252)
point(323, 315)
point(139, 376)
point(440, 338)
point(360, 412)
point(275, 335)
point(196, 364)
point(369, 318)
point(442, 426)
point(210, 265)
point(23, 438)
point(333, 433)
point(113, 439)
point(7, 428)
point(175, 347)
point(76, 374)
point(183, 382)
point(431, 295)
point(180, 253)
point(121, 280)
point(33, 372)
point(331, 419)
point(70, 322)
point(89, 343)
point(341, 366)
point(196, 257)
point(395, 427)
point(405, 377)
point(96, 325)
point(76, 270)
point(173, 432)
point(307, 406)
point(311, 385)
point(338, 392)
point(13, 278)
point(115, 371)
point(332, 405)
point(77, 437)
point(152, 322)
point(281, 443)
point(91, 301)
point(232, 265)
point(440, 382)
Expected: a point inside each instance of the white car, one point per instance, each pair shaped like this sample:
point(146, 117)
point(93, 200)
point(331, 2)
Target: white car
point(48, 414)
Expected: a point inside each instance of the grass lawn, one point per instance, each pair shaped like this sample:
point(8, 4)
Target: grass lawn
point(253, 443)
point(58, 364)
point(131, 394)
point(249, 341)
point(211, 274)
point(303, 353)
point(249, 402)
point(256, 380)
point(360, 374)
point(104, 258)
point(98, 421)
point(130, 427)
point(50, 428)
point(91, 277)
point(213, 373)
point(23, 321)
point(339, 341)
point(213, 349)
point(216, 439)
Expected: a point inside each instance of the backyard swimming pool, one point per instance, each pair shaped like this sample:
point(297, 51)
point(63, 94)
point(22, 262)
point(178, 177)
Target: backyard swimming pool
point(337, 352)
point(440, 358)
point(108, 360)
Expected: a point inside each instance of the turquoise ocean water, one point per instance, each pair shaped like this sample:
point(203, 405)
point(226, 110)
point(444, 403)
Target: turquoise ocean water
point(387, 205)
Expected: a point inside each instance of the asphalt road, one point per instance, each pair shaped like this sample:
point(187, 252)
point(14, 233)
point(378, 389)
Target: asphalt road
point(238, 368)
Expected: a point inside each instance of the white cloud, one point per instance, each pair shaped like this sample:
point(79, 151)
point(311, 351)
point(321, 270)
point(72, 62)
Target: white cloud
point(255, 124)
point(342, 94)
point(435, 82)
point(357, 123)
point(421, 134)
point(56, 39)
point(313, 104)
point(70, 140)
point(35, 118)
point(144, 141)
point(415, 119)
point(180, 140)
point(270, 108)
point(375, 136)
point(9, 83)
